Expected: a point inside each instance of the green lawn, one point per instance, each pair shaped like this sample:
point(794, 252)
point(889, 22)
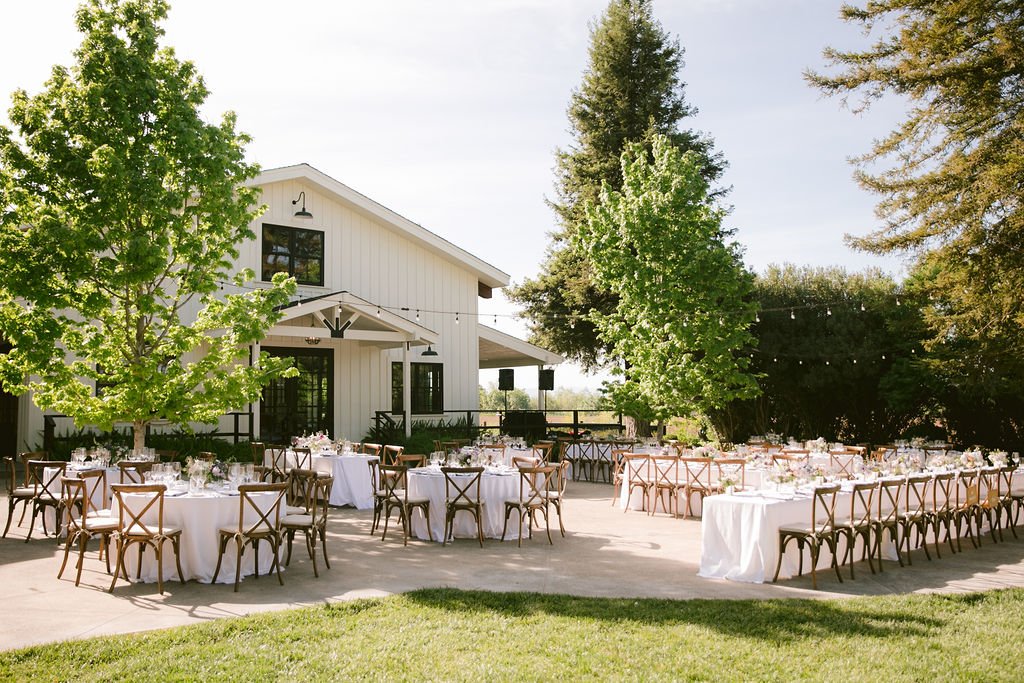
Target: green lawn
point(456, 635)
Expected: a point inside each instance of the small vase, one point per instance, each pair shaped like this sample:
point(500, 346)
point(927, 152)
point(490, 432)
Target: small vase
point(729, 490)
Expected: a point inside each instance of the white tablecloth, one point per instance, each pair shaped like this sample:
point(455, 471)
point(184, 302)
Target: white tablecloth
point(352, 484)
point(351, 473)
point(753, 479)
point(199, 518)
point(495, 489)
point(740, 535)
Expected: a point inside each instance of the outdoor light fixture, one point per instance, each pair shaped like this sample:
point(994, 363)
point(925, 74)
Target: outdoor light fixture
point(311, 339)
point(302, 213)
point(429, 352)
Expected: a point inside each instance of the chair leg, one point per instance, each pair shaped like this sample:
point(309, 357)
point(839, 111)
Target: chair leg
point(323, 543)
point(220, 557)
point(67, 550)
point(238, 561)
point(783, 542)
point(176, 544)
point(83, 539)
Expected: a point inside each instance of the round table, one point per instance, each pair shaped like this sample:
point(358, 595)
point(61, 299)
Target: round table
point(496, 486)
point(199, 516)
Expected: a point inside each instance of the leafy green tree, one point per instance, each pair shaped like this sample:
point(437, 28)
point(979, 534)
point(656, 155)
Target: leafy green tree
point(683, 296)
point(839, 356)
point(630, 92)
point(493, 398)
point(121, 211)
point(949, 176)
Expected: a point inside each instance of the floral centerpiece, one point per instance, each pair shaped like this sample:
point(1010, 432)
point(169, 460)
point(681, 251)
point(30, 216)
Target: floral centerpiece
point(206, 471)
point(940, 461)
point(705, 452)
point(773, 438)
point(998, 458)
point(729, 481)
point(971, 459)
point(819, 445)
point(905, 464)
point(320, 441)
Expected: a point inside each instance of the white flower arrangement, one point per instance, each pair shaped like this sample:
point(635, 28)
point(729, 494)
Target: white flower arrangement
point(971, 459)
point(818, 445)
point(998, 458)
point(314, 442)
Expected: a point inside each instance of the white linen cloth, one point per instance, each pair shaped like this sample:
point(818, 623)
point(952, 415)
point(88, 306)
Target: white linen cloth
point(740, 535)
point(199, 517)
point(753, 479)
point(495, 488)
point(351, 472)
point(352, 484)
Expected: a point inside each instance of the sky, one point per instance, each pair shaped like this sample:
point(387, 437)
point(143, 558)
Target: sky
point(449, 112)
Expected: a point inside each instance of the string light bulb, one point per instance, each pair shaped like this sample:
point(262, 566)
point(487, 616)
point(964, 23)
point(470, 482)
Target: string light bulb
point(792, 315)
point(456, 317)
point(757, 317)
point(828, 311)
point(417, 315)
point(378, 311)
point(862, 309)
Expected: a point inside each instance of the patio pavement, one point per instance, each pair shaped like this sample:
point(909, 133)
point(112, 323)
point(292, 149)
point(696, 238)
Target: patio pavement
point(606, 553)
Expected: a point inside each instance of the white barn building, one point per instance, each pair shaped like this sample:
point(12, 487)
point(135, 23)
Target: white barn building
point(385, 318)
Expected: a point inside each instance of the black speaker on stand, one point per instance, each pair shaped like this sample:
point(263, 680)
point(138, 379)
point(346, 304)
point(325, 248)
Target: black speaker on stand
point(546, 380)
point(506, 382)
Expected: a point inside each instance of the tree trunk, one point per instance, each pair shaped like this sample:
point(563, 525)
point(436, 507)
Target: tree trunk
point(636, 428)
point(140, 436)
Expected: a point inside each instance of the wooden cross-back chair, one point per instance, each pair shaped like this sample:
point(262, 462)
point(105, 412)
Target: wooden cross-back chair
point(259, 519)
point(533, 482)
point(83, 523)
point(462, 494)
point(136, 502)
point(44, 478)
point(820, 533)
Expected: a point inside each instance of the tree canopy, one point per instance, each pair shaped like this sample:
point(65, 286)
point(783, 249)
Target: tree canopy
point(951, 176)
point(683, 296)
point(838, 355)
point(631, 91)
point(121, 212)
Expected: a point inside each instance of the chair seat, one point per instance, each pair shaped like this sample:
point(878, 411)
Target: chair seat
point(100, 513)
point(23, 492)
point(140, 532)
point(233, 529)
point(524, 501)
point(100, 524)
point(410, 501)
point(807, 530)
point(294, 510)
point(298, 520)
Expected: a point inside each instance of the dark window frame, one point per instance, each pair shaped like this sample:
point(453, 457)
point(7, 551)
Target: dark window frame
point(427, 400)
point(293, 252)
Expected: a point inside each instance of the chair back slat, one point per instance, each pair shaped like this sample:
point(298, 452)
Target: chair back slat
point(259, 508)
point(462, 485)
point(134, 503)
point(860, 503)
point(737, 467)
point(698, 471)
point(890, 492)
point(46, 483)
point(823, 508)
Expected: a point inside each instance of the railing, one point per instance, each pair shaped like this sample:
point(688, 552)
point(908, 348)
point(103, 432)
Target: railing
point(50, 428)
point(470, 422)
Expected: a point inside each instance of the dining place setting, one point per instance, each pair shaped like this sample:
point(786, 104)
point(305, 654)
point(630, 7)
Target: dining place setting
point(927, 498)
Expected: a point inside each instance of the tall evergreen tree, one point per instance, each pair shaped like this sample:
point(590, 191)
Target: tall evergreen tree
point(950, 176)
point(631, 91)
